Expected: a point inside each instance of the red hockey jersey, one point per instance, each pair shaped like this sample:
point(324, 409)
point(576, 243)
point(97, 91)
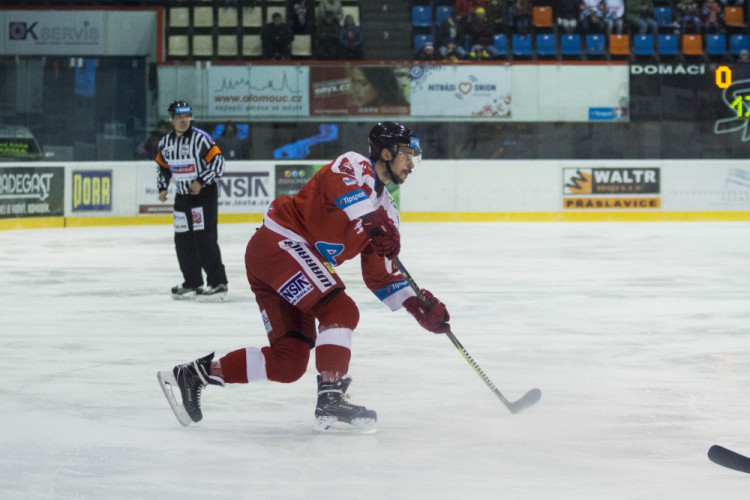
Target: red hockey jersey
point(325, 215)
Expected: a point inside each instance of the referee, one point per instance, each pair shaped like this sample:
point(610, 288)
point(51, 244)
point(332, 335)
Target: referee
point(189, 156)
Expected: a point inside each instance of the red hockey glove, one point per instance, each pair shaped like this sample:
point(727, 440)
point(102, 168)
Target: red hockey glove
point(384, 236)
point(433, 318)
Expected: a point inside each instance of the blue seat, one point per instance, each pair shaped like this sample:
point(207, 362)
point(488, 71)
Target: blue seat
point(521, 45)
point(739, 42)
point(595, 45)
point(666, 45)
point(420, 40)
point(546, 44)
point(716, 44)
point(663, 16)
point(570, 45)
point(442, 13)
point(421, 16)
point(643, 45)
point(500, 42)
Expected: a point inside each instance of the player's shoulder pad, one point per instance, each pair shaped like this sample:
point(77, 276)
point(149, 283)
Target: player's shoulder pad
point(352, 164)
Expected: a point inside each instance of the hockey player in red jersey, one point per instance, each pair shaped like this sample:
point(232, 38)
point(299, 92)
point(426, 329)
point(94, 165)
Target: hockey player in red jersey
point(342, 212)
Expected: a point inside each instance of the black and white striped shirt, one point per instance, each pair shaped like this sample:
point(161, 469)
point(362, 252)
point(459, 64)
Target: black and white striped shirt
point(192, 156)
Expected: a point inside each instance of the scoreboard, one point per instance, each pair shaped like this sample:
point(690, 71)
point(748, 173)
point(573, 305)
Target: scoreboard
point(718, 92)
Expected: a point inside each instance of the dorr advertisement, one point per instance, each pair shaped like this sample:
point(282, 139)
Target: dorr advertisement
point(258, 91)
point(31, 191)
point(92, 191)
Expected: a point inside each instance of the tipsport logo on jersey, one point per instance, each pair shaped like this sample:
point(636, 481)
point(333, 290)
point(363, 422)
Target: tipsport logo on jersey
point(611, 188)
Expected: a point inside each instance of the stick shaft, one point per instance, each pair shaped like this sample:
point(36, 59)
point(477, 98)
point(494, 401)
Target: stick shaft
point(524, 402)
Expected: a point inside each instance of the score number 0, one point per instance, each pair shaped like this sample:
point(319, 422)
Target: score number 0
point(723, 79)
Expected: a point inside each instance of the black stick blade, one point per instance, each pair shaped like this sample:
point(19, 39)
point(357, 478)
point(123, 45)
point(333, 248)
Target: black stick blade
point(729, 459)
point(528, 400)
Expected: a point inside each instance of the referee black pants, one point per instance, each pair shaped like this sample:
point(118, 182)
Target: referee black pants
point(197, 244)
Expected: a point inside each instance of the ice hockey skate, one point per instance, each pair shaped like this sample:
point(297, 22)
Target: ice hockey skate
point(334, 413)
point(190, 378)
point(181, 292)
point(216, 293)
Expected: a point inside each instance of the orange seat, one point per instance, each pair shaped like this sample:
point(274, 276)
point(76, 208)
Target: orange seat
point(619, 45)
point(692, 45)
point(734, 16)
point(541, 17)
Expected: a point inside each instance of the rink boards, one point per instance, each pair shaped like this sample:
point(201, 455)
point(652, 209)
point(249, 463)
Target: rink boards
point(119, 193)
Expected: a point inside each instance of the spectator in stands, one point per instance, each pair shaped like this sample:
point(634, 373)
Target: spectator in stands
point(640, 15)
point(231, 146)
point(712, 16)
point(465, 8)
point(496, 12)
point(568, 13)
point(613, 19)
point(688, 15)
point(301, 16)
point(743, 56)
point(375, 86)
point(333, 6)
point(592, 16)
point(327, 37)
point(522, 16)
point(350, 39)
point(427, 53)
point(482, 33)
point(149, 147)
point(276, 38)
point(450, 38)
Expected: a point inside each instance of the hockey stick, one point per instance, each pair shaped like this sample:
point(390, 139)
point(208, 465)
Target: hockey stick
point(527, 400)
point(729, 459)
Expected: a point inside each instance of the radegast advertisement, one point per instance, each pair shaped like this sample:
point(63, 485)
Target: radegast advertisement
point(31, 191)
point(258, 91)
point(461, 91)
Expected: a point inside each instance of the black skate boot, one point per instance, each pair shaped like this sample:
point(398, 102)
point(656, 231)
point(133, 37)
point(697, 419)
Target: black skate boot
point(181, 292)
point(334, 412)
point(191, 379)
point(216, 293)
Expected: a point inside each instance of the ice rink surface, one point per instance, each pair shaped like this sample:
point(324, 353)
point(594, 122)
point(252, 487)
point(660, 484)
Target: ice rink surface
point(638, 335)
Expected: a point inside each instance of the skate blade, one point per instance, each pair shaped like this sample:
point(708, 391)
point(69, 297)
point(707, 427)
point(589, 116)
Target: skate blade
point(331, 425)
point(168, 385)
point(216, 297)
point(185, 296)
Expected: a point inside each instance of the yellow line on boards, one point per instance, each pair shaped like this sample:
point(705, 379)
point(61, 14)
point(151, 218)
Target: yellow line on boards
point(572, 216)
point(576, 216)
